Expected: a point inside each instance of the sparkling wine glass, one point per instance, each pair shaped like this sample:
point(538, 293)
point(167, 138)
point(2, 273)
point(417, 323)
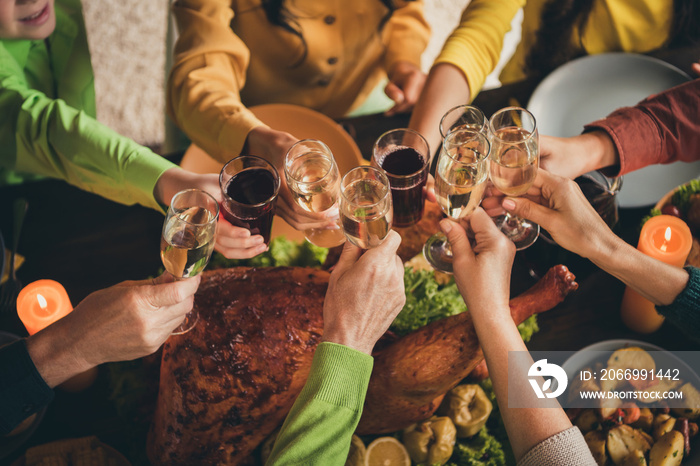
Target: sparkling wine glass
point(313, 178)
point(188, 238)
point(514, 163)
point(249, 187)
point(464, 117)
point(460, 181)
point(404, 157)
point(366, 213)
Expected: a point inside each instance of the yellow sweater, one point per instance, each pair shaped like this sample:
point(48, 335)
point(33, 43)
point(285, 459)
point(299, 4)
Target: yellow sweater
point(228, 56)
point(612, 26)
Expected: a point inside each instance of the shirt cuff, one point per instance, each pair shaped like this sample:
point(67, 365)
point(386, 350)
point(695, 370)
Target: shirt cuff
point(145, 169)
point(23, 391)
point(340, 375)
point(566, 447)
point(635, 136)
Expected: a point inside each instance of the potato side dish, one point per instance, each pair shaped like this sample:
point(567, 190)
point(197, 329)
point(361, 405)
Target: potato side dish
point(627, 433)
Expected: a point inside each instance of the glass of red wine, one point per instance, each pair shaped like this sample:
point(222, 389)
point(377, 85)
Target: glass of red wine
point(403, 155)
point(250, 185)
point(463, 117)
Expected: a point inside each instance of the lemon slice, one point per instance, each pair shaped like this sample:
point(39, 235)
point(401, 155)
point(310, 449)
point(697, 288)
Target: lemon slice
point(386, 451)
point(356, 456)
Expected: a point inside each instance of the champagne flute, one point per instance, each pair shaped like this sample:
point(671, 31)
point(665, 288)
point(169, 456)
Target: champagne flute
point(313, 178)
point(460, 181)
point(465, 117)
point(249, 188)
point(514, 163)
point(404, 157)
point(366, 213)
point(188, 238)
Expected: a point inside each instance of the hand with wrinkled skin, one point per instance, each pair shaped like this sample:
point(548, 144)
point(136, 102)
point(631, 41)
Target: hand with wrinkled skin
point(365, 294)
point(406, 82)
point(123, 322)
point(572, 157)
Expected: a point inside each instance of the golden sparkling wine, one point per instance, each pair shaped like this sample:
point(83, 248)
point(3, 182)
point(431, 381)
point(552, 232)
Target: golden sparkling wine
point(460, 190)
point(316, 191)
point(184, 251)
point(514, 167)
point(366, 217)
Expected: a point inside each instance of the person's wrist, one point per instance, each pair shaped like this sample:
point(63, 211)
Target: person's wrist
point(600, 149)
point(345, 338)
point(57, 354)
point(171, 182)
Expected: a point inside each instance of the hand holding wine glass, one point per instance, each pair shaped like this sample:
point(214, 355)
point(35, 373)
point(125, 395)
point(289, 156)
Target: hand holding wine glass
point(460, 181)
point(188, 238)
point(314, 181)
point(366, 212)
point(514, 163)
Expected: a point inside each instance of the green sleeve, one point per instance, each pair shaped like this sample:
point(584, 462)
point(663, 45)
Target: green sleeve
point(48, 137)
point(320, 425)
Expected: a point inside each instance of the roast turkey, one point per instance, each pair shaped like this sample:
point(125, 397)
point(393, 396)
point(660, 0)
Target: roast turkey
point(227, 384)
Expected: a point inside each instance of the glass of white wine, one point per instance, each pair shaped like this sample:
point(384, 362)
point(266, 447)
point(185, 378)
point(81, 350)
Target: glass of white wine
point(366, 212)
point(313, 178)
point(188, 238)
point(460, 181)
point(463, 117)
point(514, 164)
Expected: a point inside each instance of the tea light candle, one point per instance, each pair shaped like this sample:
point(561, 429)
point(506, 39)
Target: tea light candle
point(41, 303)
point(668, 239)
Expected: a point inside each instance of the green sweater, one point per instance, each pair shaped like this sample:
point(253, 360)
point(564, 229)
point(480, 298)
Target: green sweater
point(48, 125)
point(320, 425)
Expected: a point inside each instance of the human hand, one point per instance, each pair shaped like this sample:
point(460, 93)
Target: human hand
point(696, 68)
point(574, 156)
point(429, 189)
point(365, 294)
point(131, 319)
point(231, 241)
point(273, 145)
point(405, 85)
point(558, 205)
point(482, 271)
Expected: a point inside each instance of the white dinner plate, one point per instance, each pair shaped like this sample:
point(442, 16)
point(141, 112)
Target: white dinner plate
point(588, 88)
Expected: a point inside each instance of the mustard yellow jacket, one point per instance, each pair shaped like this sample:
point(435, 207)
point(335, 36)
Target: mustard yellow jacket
point(613, 26)
point(228, 56)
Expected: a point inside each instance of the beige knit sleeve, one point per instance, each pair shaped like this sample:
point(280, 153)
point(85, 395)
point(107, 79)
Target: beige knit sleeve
point(567, 448)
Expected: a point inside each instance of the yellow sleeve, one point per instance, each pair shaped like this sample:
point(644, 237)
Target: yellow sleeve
point(208, 72)
point(408, 36)
point(475, 46)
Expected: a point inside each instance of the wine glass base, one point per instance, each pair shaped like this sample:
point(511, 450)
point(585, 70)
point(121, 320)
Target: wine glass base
point(435, 252)
point(523, 233)
point(188, 324)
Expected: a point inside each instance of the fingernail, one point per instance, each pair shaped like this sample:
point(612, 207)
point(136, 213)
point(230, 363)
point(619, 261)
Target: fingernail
point(446, 226)
point(333, 213)
point(508, 204)
point(332, 226)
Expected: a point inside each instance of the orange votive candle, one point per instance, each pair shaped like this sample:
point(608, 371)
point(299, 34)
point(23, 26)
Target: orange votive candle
point(41, 303)
point(668, 239)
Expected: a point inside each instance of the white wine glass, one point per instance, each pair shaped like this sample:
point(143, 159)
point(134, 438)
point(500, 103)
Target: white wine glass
point(314, 181)
point(514, 164)
point(463, 117)
point(366, 212)
point(188, 238)
point(460, 181)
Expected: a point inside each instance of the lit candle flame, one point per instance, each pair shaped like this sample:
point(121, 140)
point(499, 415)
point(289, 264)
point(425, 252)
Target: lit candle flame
point(42, 301)
point(667, 238)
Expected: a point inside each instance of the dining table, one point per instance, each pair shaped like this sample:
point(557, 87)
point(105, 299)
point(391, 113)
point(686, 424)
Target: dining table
point(87, 243)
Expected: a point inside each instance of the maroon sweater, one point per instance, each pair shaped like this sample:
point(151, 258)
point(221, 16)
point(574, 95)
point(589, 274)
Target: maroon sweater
point(663, 128)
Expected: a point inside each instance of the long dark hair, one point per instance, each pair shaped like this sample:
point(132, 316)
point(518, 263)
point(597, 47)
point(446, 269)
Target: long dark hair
point(553, 45)
point(278, 15)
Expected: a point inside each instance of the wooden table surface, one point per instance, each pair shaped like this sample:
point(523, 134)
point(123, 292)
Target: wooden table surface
point(88, 243)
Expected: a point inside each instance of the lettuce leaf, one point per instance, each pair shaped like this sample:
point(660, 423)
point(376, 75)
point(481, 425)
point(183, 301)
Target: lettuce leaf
point(281, 253)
